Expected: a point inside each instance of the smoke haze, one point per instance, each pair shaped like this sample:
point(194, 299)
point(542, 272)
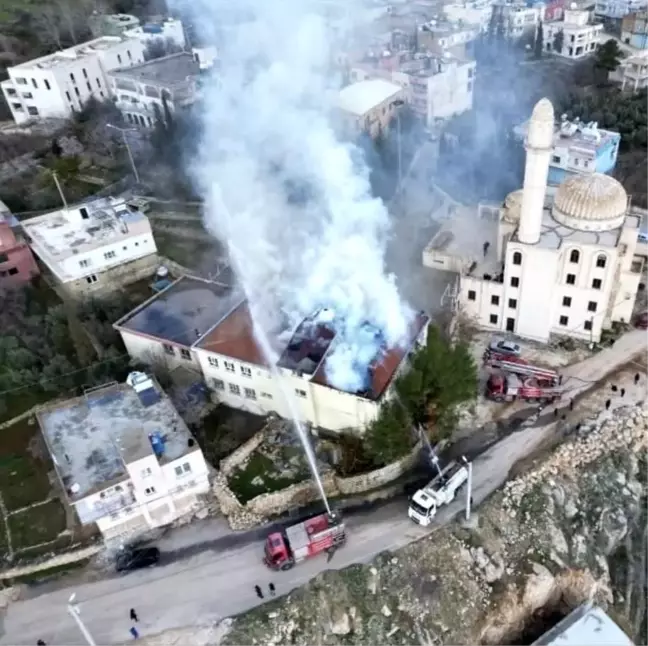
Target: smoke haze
point(292, 200)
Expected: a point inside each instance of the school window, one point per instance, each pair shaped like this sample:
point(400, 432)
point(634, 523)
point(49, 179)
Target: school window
point(69, 98)
point(85, 74)
point(493, 319)
point(266, 395)
point(76, 91)
point(119, 58)
point(300, 393)
point(32, 110)
point(218, 384)
point(212, 361)
point(566, 301)
point(517, 258)
point(34, 83)
point(512, 303)
point(130, 57)
point(472, 295)
point(596, 283)
point(21, 81)
point(515, 281)
point(98, 83)
point(246, 372)
point(600, 262)
point(229, 366)
point(185, 354)
point(91, 279)
point(587, 325)
point(72, 77)
point(109, 254)
point(234, 389)
point(494, 300)
point(84, 263)
point(47, 85)
point(591, 306)
point(563, 320)
point(250, 393)
point(88, 86)
point(571, 279)
point(149, 491)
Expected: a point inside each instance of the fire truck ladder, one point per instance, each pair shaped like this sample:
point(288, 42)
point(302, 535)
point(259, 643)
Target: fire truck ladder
point(522, 368)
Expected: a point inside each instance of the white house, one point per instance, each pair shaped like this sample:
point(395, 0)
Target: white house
point(167, 30)
point(139, 90)
point(208, 328)
point(56, 85)
point(538, 265)
point(476, 13)
point(94, 246)
point(580, 37)
point(124, 457)
point(632, 73)
point(521, 19)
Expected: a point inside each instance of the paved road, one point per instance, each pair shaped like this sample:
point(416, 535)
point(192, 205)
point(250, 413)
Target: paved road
point(218, 582)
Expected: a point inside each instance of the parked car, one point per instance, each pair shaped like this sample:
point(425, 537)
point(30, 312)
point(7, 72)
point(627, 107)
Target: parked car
point(136, 558)
point(505, 347)
point(641, 321)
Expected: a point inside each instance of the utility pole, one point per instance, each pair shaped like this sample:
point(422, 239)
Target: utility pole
point(468, 490)
point(60, 190)
point(128, 148)
point(73, 609)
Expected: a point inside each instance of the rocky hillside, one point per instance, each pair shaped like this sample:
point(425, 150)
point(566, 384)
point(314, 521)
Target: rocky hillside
point(571, 530)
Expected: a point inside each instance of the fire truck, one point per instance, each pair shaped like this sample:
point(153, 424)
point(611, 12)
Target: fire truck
point(509, 387)
point(440, 491)
point(322, 533)
point(520, 367)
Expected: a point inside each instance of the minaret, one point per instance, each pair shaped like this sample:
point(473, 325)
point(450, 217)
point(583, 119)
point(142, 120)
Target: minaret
point(539, 142)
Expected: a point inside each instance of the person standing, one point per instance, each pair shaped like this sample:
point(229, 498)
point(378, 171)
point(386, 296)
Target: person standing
point(258, 591)
point(133, 631)
point(272, 589)
point(133, 615)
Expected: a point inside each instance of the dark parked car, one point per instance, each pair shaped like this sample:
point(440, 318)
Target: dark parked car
point(134, 559)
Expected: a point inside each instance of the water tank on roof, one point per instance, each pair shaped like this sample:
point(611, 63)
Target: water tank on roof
point(152, 29)
point(157, 444)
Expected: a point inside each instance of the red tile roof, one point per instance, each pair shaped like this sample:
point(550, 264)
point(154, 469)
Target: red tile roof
point(386, 367)
point(234, 337)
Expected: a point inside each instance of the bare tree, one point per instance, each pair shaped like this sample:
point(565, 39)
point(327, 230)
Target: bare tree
point(74, 15)
point(47, 20)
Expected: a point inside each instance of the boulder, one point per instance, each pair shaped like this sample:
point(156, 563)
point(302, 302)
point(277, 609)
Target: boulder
point(340, 622)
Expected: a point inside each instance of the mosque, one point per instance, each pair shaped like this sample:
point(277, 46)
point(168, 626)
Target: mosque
point(545, 263)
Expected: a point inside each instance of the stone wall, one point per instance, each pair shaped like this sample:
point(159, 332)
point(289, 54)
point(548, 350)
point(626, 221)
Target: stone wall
point(54, 562)
point(240, 455)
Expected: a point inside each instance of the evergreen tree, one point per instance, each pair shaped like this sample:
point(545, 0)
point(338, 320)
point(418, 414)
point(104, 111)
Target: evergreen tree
point(608, 56)
point(389, 437)
point(538, 46)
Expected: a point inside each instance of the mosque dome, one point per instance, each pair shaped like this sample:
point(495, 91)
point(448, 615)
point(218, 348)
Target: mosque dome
point(513, 206)
point(592, 202)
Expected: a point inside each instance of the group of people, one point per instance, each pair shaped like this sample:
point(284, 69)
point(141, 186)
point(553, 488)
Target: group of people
point(259, 591)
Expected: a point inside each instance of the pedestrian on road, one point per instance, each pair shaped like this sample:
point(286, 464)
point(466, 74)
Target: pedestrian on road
point(571, 404)
point(133, 631)
point(486, 246)
point(622, 392)
point(133, 615)
point(555, 412)
point(636, 379)
point(272, 589)
point(614, 388)
point(257, 589)
point(40, 642)
point(607, 404)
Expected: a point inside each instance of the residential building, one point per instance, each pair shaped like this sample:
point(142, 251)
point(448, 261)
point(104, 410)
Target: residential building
point(634, 30)
point(587, 624)
point(139, 90)
point(209, 328)
point(520, 18)
point(632, 73)
point(369, 106)
point(17, 264)
point(168, 30)
point(438, 37)
point(57, 85)
point(437, 87)
point(554, 10)
point(95, 246)
point(124, 457)
point(618, 9)
point(476, 14)
point(578, 149)
point(580, 37)
point(114, 24)
point(564, 265)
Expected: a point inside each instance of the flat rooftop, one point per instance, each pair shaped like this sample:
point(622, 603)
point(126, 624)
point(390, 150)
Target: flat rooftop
point(78, 229)
point(359, 98)
point(65, 56)
point(168, 70)
point(385, 365)
point(93, 437)
point(183, 312)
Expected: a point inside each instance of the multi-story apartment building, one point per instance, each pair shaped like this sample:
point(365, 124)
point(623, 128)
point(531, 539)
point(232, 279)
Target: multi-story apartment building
point(580, 37)
point(167, 30)
point(520, 18)
point(139, 90)
point(95, 246)
point(56, 85)
point(618, 9)
point(124, 457)
point(632, 73)
point(634, 30)
point(17, 264)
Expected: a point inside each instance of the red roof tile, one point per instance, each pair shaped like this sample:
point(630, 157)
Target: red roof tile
point(234, 337)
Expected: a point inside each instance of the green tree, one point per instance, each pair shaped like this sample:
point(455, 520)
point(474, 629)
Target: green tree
point(538, 46)
point(608, 56)
point(558, 41)
point(389, 437)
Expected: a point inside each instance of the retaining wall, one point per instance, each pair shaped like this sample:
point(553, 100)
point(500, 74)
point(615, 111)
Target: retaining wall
point(55, 561)
point(240, 455)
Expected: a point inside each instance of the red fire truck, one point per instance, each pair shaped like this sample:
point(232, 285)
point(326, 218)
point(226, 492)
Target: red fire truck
point(520, 367)
point(509, 387)
point(323, 533)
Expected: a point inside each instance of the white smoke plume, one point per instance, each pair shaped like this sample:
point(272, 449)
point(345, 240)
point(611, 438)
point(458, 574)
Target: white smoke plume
point(290, 199)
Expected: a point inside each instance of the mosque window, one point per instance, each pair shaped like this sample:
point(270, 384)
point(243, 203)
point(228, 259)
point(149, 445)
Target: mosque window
point(517, 258)
point(600, 261)
point(574, 256)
